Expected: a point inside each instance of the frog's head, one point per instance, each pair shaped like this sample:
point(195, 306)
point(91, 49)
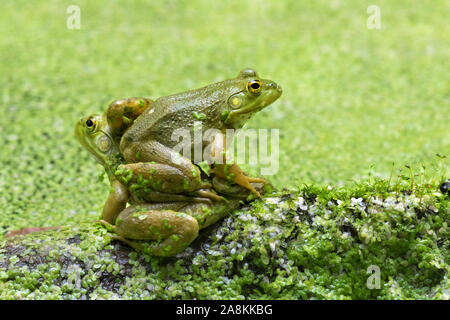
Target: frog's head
point(253, 95)
point(95, 136)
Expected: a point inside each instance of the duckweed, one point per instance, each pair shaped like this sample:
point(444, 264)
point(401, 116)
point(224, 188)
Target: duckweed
point(379, 98)
point(312, 243)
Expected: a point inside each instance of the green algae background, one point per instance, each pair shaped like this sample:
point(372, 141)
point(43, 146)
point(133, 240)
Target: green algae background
point(355, 101)
point(353, 97)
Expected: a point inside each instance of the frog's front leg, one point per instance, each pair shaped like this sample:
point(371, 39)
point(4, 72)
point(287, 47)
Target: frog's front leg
point(231, 172)
point(233, 190)
point(234, 173)
point(173, 231)
point(116, 202)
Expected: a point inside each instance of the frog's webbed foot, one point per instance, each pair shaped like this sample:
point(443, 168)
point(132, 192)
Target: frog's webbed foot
point(136, 245)
point(154, 249)
point(233, 173)
point(107, 225)
point(233, 190)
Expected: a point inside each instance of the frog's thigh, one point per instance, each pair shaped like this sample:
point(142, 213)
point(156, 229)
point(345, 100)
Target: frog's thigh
point(174, 230)
point(153, 151)
point(157, 176)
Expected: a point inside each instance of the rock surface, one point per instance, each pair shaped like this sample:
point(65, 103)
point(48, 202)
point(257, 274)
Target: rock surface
point(312, 243)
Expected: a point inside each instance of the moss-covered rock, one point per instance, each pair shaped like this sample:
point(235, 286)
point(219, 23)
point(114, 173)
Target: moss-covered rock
point(312, 243)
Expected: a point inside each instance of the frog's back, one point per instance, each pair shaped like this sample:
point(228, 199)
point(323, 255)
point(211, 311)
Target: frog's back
point(180, 111)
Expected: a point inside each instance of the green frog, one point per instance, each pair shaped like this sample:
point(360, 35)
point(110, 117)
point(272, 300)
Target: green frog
point(223, 105)
point(173, 220)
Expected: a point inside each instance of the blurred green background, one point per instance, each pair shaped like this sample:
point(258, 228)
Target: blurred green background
point(353, 97)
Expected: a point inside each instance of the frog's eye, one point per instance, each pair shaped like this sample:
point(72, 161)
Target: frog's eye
point(254, 86)
point(91, 124)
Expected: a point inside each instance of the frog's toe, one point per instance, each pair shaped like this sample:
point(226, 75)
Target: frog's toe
point(206, 185)
point(107, 225)
point(257, 180)
point(244, 181)
point(136, 245)
point(201, 200)
point(210, 196)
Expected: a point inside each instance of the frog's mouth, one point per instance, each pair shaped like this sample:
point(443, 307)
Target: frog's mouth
point(271, 92)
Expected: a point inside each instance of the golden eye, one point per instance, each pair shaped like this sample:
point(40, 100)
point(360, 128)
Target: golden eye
point(90, 124)
point(254, 86)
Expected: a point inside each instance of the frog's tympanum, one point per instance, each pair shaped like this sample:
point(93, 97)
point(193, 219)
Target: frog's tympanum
point(159, 209)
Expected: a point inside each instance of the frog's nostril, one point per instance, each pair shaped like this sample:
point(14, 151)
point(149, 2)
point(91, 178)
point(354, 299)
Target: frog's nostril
point(273, 85)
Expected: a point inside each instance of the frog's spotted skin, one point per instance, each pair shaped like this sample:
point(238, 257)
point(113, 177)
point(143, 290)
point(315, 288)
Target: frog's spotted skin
point(223, 105)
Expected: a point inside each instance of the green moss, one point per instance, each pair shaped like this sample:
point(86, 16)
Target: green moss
point(311, 243)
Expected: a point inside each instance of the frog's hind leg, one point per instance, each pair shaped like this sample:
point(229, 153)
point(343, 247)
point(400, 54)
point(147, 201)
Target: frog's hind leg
point(166, 168)
point(173, 231)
